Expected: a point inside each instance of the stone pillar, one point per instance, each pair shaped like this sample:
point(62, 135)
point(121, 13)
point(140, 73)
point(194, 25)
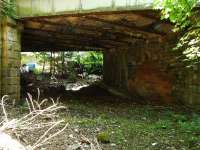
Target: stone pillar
point(115, 68)
point(187, 85)
point(10, 58)
point(0, 57)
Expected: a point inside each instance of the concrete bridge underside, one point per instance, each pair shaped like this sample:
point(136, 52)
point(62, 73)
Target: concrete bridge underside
point(135, 44)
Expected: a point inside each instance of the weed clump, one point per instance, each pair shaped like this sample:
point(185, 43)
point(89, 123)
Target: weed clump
point(103, 137)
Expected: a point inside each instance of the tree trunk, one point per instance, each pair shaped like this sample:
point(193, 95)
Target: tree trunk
point(51, 63)
point(54, 63)
point(44, 63)
point(63, 62)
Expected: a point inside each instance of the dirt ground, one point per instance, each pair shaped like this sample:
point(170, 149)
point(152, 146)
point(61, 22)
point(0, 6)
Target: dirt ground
point(96, 118)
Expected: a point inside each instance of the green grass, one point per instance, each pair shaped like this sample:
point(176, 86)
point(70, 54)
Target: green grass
point(139, 127)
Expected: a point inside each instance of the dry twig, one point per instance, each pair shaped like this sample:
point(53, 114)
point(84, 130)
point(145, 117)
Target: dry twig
point(29, 121)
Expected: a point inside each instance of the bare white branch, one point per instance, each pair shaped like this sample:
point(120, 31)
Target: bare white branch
point(32, 120)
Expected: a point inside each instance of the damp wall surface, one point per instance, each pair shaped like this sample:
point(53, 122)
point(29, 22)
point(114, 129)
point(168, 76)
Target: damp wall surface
point(9, 58)
point(150, 72)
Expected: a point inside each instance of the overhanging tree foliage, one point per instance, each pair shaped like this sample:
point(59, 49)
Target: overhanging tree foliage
point(185, 15)
point(7, 8)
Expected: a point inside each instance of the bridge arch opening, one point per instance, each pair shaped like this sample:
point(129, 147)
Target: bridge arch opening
point(133, 43)
point(59, 72)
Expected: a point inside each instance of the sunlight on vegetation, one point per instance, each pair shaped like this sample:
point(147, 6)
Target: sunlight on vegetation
point(68, 70)
point(137, 127)
point(186, 17)
point(59, 63)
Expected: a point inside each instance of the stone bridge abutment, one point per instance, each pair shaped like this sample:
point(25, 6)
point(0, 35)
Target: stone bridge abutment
point(10, 48)
point(135, 44)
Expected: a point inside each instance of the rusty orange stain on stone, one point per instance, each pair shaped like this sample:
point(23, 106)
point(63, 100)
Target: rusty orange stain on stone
point(151, 83)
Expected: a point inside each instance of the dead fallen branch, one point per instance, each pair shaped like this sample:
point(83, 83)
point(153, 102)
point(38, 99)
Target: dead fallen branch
point(30, 122)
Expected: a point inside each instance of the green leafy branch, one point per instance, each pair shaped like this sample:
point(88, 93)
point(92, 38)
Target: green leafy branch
point(184, 14)
point(8, 8)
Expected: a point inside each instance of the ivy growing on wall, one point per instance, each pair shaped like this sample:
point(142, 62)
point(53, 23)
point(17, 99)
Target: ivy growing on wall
point(8, 8)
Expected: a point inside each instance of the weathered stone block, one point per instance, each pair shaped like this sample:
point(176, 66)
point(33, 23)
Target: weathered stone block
point(14, 46)
point(10, 59)
point(13, 80)
point(12, 34)
point(151, 83)
point(14, 63)
point(13, 55)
